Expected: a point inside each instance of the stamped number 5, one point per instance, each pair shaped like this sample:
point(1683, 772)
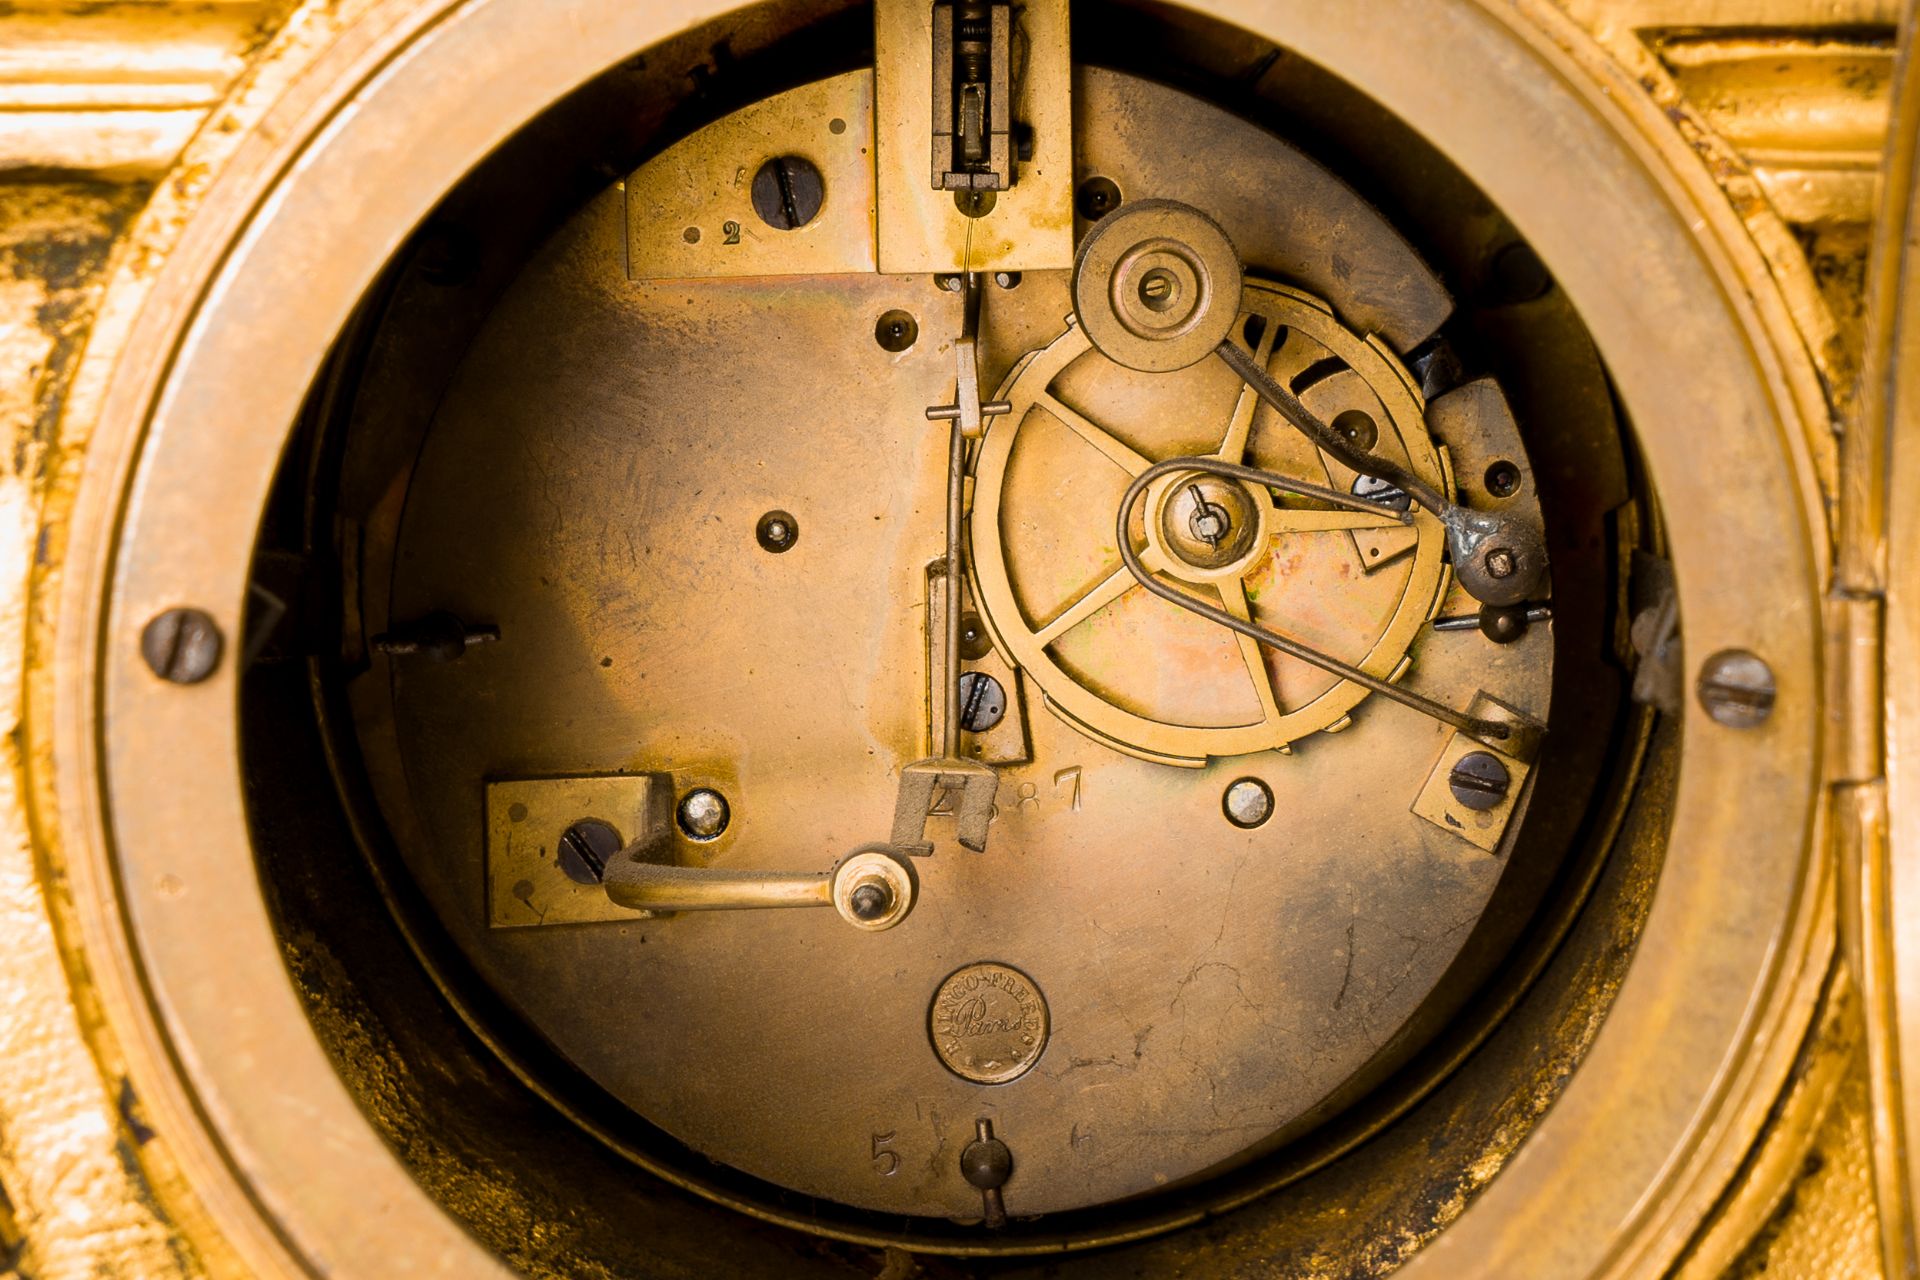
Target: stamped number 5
point(886, 1163)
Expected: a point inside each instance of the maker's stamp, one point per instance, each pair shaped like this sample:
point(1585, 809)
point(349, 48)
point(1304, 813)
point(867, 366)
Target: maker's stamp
point(988, 1023)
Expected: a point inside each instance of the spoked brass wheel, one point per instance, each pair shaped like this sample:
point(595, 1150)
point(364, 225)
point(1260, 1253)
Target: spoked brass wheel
point(1040, 524)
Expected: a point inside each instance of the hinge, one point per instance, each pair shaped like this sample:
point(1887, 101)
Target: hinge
point(1855, 672)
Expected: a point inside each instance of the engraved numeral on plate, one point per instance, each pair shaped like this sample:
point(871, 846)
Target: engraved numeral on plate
point(886, 1162)
point(1071, 774)
point(732, 230)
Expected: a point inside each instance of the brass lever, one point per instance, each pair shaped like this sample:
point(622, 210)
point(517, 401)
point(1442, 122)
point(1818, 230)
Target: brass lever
point(871, 888)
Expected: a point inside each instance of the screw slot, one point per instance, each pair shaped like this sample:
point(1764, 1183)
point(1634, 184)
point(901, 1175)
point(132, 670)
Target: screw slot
point(787, 193)
point(586, 847)
point(1737, 688)
point(1386, 494)
point(182, 646)
point(983, 703)
point(896, 331)
point(1159, 290)
point(1479, 782)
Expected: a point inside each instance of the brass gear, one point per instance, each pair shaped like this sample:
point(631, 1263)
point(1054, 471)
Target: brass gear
point(1279, 324)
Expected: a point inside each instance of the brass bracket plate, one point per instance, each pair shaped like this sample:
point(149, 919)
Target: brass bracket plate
point(690, 209)
point(1030, 227)
point(525, 819)
point(1435, 801)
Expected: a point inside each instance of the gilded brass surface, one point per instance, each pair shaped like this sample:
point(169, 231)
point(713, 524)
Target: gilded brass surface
point(137, 1138)
point(527, 884)
point(1297, 953)
point(690, 211)
point(1029, 227)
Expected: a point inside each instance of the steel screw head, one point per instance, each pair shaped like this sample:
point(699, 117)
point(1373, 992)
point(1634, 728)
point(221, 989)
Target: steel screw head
point(1376, 490)
point(1247, 802)
point(787, 192)
point(777, 532)
point(1479, 781)
point(1007, 279)
point(704, 814)
point(1500, 563)
point(871, 900)
point(1736, 688)
point(872, 888)
point(182, 646)
point(586, 848)
point(983, 703)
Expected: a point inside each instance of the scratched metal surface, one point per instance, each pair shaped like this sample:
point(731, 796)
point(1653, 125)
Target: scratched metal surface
point(1208, 987)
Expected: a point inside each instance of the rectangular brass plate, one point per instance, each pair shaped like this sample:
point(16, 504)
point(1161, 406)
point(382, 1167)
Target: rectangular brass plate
point(525, 819)
point(1435, 802)
point(690, 209)
point(921, 230)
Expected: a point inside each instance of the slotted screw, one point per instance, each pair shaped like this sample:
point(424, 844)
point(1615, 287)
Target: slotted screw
point(182, 645)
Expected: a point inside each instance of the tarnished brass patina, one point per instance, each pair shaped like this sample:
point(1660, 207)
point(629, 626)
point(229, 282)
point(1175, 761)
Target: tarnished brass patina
point(504, 499)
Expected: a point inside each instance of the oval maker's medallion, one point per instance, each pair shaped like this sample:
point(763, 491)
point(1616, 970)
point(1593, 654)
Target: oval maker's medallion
point(988, 1023)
